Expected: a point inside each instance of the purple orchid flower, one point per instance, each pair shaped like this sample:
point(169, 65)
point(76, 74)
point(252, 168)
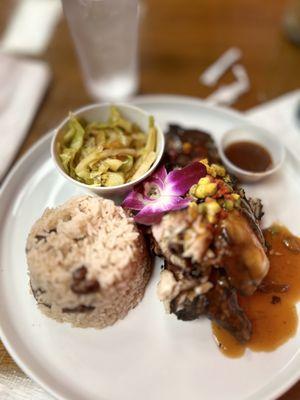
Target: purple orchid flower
point(162, 192)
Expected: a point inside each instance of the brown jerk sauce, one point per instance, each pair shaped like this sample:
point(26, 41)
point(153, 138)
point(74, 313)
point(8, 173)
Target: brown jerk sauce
point(272, 308)
point(249, 156)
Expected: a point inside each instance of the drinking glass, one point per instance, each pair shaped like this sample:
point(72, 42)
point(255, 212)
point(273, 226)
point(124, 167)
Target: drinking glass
point(105, 34)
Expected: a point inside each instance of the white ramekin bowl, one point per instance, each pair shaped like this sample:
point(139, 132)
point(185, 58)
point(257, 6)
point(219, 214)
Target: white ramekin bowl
point(255, 134)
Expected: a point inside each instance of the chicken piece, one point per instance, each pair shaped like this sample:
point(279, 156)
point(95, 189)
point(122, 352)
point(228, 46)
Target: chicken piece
point(205, 268)
point(182, 240)
point(218, 302)
point(212, 250)
point(252, 210)
point(223, 307)
point(191, 244)
point(174, 284)
point(245, 262)
point(186, 145)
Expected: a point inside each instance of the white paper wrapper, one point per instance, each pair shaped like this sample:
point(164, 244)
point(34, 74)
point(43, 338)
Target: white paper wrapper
point(214, 72)
point(228, 94)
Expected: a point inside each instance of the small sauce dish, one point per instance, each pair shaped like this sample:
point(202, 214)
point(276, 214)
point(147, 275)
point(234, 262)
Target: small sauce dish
point(260, 143)
point(100, 112)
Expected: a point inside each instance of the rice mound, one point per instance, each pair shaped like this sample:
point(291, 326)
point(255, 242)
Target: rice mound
point(88, 263)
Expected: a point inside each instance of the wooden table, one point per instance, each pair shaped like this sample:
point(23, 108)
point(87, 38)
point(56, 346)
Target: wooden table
point(179, 38)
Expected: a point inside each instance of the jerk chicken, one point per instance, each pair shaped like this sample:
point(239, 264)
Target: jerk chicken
point(214, 250)
point(184, 146)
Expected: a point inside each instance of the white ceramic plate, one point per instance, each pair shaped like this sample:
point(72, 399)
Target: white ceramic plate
point(148, 355)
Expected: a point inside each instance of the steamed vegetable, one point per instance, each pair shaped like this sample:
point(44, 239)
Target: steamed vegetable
point(107, 153)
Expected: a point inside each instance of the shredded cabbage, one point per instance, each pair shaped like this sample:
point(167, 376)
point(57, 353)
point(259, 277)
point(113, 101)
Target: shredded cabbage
point(107, 153)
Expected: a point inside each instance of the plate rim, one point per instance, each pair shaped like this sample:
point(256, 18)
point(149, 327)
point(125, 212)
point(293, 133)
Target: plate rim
point(275, 390)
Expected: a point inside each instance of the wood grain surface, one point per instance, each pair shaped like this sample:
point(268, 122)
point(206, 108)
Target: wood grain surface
point(179, 39)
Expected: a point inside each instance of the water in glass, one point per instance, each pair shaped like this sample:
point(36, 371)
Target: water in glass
point(105, 34)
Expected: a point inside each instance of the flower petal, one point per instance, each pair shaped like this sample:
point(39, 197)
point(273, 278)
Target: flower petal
point(134, 200)
point(148, 219)
point(137, 198)
point(157, 178)
point(179, 181)
point(179, 203)
point(159, 175)
point(153, 211)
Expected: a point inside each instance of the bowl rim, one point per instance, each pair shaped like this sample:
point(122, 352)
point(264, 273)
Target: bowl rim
point(124, 186)
point(256, 130)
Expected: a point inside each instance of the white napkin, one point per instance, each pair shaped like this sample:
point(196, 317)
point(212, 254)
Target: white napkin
point(280, 117)
point(30, 27)
point(23, 84)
